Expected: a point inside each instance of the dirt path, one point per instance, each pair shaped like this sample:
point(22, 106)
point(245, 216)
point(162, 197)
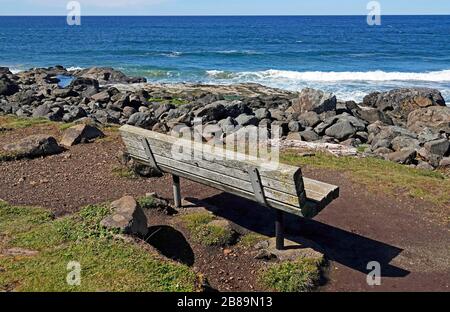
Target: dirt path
point(360, 227)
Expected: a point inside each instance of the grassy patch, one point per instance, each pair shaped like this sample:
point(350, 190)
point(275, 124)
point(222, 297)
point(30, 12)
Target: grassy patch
point(107, 263)
point(251, 239)
point(13, 122)
point(379, 174)
point(124, 172)
point(205, 233)
point(175, 101)
point(147, 202)
point(292, 276)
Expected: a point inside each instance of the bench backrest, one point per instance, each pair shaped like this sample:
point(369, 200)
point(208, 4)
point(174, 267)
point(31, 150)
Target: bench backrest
point(284, 188)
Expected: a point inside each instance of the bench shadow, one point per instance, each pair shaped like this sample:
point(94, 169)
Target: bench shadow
point(171, 243)
point(347, 248)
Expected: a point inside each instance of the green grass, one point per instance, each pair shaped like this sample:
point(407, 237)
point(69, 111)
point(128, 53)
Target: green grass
point(107, 263)
point(301, 275)
point(204, 233)
point(251, 239)
point(146, 202)
point(378, 174)
point(123, 172)
point(11, 122)
point(174, 101)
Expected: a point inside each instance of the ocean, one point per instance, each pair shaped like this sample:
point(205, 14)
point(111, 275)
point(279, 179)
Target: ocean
point(343, 55)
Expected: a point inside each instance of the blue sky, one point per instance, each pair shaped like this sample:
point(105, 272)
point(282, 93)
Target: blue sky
point(223, 7)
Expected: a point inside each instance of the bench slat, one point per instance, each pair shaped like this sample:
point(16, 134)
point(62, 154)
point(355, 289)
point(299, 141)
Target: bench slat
point(284, 188)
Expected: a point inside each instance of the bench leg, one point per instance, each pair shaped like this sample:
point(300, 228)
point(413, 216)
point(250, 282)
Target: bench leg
point(176, 191)
point(279, 230)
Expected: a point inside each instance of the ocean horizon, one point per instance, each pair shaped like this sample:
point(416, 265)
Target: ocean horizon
point(339, 54)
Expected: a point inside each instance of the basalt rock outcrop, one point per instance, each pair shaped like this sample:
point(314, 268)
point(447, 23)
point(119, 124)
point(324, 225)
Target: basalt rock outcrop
point(403, 125)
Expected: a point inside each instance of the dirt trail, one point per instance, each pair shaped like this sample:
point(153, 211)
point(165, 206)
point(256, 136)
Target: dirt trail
point(359, 227)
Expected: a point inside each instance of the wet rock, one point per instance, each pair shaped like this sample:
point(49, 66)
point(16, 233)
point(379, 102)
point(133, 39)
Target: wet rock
point(127, 216)
point(34, 146)
point(106, 75)
point(80, 134)
point(314, 100)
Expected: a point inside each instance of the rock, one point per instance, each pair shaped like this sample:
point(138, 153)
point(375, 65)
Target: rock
point(247, 120)
point(227, 125)
point(341, 130)
point(34, 146)
point(277, 114)
point(162, 109)
point(262, 113)
point(372, 115)
point(101, 97)
point(309, 136)
point(142, 120)
point(427, 135)
point(80, 134)
point(210, 112)
point(399, 103)
point(74, 113)
point(314, 100)
point(41, 111)
point(295, 126)
point(436, 118)
point(424, 166)
point(236, 108)
point(405, 157)
point(7, 87)
point(402, 142)
point(294, 136)
point(445, 162)
point(309, 119)
point(127, 216)
point(438, 147)
point(106, 75)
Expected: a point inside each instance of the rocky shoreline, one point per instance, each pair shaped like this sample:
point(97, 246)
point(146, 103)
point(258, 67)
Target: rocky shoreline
point(408, 126)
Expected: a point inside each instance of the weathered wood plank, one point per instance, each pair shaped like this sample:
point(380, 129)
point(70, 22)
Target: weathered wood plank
point(288, 179)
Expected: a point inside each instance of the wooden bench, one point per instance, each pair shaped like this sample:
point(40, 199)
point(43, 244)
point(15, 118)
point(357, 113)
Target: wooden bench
point(284, 189)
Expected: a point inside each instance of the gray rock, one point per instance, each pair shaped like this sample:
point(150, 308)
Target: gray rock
point(436, 118)
point(127, 216)
point(405, 157)
point(236, 108)
point(399, 103)
point(247, 120)
point(128, 111)
point(402, 142)
point(295, 126)
point(309, 136)
point(163, 108)
point(102, 97)
point(372, 115)
point(341, 130)
point(277, 114)
point(427, 135)
point(262, 113)
point(141, 120)
point(383, 151)
point(424, 165)
point(34, 146)
point(8, 87)
point(445, 162)
point(210, 112)
point(81, 133)
point(227, 125)
point(106, 75)
point(309, 119)
point(438, 147)
point(41, 111)
point(314, 100)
